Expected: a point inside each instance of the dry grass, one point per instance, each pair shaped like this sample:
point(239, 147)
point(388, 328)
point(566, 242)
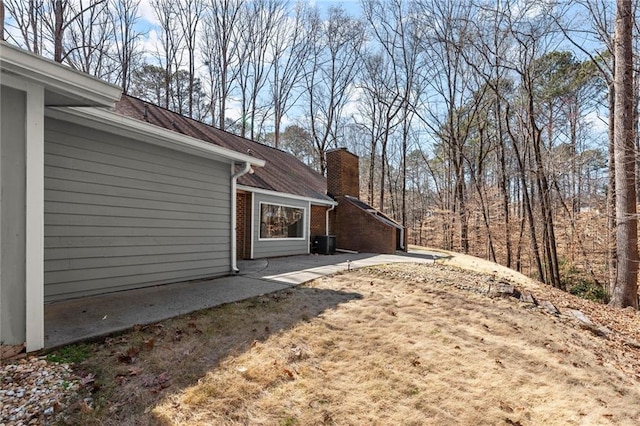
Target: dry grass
point(400, 344)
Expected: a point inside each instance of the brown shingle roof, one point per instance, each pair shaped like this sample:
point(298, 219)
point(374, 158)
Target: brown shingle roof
point(282, 173)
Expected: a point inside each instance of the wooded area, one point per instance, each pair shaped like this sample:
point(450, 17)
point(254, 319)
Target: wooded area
point(505, 128)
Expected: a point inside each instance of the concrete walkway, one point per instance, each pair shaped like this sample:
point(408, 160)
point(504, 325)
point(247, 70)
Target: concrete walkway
point(90, 317)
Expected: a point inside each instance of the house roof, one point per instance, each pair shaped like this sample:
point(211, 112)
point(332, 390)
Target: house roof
point(375, 213)
point(282, 173)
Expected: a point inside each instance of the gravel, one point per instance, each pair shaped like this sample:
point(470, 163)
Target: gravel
point(33, 391)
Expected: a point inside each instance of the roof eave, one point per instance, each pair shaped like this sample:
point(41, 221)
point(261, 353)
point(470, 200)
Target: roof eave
point(74, 87)
point(113, 122)
point(321, 201)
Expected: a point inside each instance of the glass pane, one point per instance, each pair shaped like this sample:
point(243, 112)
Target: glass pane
point(281, 222)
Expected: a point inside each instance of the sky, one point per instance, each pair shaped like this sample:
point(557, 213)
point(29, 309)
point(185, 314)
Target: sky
point(351, 6)
point(151, 42)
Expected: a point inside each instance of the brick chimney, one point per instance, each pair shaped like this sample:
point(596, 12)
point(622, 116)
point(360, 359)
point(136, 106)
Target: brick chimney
point(343, 173)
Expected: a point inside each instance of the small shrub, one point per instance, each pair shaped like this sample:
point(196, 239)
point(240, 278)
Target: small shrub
point(289, 421)
point(590, 291)
point(71, 354)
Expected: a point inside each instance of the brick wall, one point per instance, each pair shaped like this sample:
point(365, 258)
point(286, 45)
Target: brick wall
point(355, 229)
point(318, 220)
point(358, 230)
point(343, 174)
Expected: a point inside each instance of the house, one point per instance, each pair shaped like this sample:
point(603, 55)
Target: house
point(279, 205)
point(102, 192)
point(357, 225)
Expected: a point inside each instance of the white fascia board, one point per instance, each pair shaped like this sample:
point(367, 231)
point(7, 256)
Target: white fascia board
point(112, 122)
point(315, 201)
point(56, 77)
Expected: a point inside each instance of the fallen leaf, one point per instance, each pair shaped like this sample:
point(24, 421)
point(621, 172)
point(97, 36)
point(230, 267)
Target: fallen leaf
point(288, 372)
point(129, 356)
point(505, 407)
point(134, 371)
point(158, 382)
point(163, 378)
point(85, 408)
point(88, 379)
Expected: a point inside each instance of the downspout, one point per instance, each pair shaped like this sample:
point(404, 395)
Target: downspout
point(326, 225)
point(234, 231)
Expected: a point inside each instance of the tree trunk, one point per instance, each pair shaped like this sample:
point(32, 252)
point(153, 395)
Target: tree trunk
point(372, 170)
point(58, 32)
point(503, 184)
point(625, 292)
point(383, 162)
point(611, 197)
point(526, 200)
point(1, 20)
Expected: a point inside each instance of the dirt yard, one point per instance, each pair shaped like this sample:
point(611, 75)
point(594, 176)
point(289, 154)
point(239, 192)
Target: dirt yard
point(399, 344)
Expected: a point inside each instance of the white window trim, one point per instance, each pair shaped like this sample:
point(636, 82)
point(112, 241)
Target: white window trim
point(305, 223)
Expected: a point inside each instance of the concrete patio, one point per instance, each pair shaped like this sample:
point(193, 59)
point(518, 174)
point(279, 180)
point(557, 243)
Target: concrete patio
point(92, 317)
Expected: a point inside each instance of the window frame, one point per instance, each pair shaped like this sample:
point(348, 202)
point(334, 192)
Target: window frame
point(304, 222)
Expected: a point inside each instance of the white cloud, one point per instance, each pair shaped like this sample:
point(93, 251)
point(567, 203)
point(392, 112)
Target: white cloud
point(151, 43)
point(147, 13)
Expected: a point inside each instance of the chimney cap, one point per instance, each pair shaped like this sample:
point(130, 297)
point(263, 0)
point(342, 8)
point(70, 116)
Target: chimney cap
point(343, 148)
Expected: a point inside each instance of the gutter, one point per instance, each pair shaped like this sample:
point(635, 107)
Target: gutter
point(114, 123)
point(315, 201)
point(234, 231)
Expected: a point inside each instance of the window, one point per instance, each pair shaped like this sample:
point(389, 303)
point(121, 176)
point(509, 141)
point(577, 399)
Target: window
point(278, 221)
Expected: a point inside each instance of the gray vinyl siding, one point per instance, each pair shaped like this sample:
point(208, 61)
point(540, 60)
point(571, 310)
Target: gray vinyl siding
point(12, 215)
point(278, 247)
point(122, 214)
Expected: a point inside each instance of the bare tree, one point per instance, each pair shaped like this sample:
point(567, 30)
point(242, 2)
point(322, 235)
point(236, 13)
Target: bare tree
point(330, 77)
point(260, 19)
point(398, 31)
point(88, 41)
point(374, 117)
point(625, 292)
point(124, 18)
point(599, 27)
point(453, 89)
point(170, 45)
point(28, 19)
point(489, 52)
point(57, 16)
point(290, 48)
point(220, 50)
point(188, 14)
